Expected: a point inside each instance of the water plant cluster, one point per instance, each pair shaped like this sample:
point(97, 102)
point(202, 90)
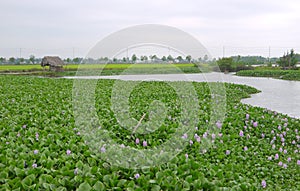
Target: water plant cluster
point(41, 148)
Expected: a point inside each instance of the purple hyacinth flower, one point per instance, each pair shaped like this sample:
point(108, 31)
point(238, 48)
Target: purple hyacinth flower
point(247, 116)
point(136, 176)
point(285, 166)
point(102, 149)
point(263, 184)
point(219, 124)
point(144, 143)
point(137, 141)
point(213, 136)
point(241, 133)
point(255, 124)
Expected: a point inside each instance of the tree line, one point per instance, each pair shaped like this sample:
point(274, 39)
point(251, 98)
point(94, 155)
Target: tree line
point(236, 63)
point(233, 63)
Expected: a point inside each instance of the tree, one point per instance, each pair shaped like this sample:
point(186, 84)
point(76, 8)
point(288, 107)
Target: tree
point(170, 58)
point(76, 60)
point(32, 59)
point(12, 60)
point(115, 60)
point(164, 58)
point(133, 58)
point(2, 60)
point(144, 58)
point(179, 58)
point(68, 60)
point(288, 60)
point(293, 60)
point(205, 58)
point(153, 58)
point(225, 64)
point(188, 58)
point(20, 61)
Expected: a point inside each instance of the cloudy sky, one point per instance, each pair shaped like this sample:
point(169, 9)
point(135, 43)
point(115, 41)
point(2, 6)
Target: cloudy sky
point(72, 27)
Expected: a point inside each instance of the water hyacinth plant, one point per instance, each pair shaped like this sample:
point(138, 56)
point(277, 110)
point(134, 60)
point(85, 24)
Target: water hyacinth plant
point(245, 154)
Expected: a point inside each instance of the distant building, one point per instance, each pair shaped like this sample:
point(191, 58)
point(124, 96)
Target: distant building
point(54, 63)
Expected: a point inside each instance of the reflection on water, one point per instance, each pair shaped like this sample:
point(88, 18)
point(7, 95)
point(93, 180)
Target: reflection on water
point(278, 95)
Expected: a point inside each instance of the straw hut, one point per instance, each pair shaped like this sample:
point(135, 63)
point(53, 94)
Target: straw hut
point(54, 62)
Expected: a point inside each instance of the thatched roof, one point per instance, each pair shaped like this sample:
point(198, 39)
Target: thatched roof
point(53, 61)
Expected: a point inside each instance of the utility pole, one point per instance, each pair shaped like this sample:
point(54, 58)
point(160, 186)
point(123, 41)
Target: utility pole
point(269, 54)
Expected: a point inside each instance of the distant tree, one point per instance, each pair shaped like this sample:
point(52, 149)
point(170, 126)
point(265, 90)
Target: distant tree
point(188, 58)
point(2, 60)
point(76, 60)
point(225, 64)
point(153, 58)
point(205, 58)
point(12, 60)
point(170, 58)
point(21, 61)
point(68, 60)
point(32, 59)
point(164, 58)
point(288, 60)
point(133, 58)
point(115, 60)
point(124, 59)
point(293, 60)
point(179, 58)
point(144, 58)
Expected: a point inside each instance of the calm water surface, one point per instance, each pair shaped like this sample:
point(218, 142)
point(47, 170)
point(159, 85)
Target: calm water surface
point(278, 95)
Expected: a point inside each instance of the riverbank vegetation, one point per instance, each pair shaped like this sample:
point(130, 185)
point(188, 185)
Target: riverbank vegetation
point(272, 73)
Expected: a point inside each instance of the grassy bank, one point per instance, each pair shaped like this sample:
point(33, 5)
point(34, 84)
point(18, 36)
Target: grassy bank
point(42, 149)
point(279, 74)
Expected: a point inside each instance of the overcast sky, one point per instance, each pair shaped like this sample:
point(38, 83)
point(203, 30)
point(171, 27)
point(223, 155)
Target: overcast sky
point(65, 27)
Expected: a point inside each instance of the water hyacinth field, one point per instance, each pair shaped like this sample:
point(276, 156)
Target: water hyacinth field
point(42, 149)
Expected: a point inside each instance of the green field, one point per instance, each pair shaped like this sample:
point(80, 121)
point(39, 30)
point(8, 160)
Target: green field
point(108, 69)
point(91, 66)
point(41, 147)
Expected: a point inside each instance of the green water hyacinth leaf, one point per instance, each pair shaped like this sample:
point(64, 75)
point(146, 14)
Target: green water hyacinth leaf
point(84, 187)
point(27, 181)
point(99, 186)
